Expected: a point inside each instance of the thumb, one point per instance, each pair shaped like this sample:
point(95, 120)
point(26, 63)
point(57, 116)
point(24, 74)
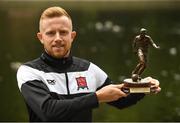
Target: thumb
point(119, 86)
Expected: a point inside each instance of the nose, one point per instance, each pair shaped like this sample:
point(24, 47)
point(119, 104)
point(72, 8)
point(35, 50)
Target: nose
point(58, 37)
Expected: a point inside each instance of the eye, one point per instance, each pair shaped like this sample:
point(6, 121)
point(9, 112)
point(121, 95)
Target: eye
point(63, 32)
point(50, 33)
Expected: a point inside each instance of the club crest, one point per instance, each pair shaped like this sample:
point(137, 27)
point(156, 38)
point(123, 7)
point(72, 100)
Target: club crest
point(81, 82)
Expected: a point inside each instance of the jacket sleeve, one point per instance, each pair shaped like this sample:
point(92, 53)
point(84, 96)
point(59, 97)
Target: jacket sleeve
point(124, 102)
point(49, 106)
point(130, 100)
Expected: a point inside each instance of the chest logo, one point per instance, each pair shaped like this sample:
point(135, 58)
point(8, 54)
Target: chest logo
point(81, 82)
point(51, 82)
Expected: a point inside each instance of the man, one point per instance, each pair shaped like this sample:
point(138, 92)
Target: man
point(140, 47)
point(59, 87)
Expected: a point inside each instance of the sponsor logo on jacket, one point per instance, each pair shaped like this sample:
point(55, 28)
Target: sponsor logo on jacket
point(51, 82)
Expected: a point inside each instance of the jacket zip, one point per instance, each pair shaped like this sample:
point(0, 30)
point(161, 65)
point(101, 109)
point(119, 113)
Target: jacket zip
point(67, 83)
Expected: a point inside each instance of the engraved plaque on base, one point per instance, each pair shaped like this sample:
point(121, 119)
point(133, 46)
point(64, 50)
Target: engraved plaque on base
point(141, 86)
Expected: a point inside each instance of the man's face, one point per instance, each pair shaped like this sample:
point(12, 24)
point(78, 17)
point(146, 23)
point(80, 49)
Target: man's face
point(57, 36)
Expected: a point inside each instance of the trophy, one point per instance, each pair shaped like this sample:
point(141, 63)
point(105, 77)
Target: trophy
point(136, 84)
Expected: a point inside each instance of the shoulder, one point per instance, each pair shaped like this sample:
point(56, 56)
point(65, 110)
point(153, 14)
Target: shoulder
point(36, 64)
point(30, 65)
point(27, 73)
point(30, 70)
point(79, 64)
point(148, 37)
point(80, 61)
point(137, 37)
point(83, 65)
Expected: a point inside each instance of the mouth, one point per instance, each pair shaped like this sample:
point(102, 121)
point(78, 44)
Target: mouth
point(58, 46)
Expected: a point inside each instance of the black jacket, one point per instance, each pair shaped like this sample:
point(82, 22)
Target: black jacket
point(64, 89)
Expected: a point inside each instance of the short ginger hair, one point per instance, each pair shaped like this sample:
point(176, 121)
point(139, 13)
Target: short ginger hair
point(52, 12)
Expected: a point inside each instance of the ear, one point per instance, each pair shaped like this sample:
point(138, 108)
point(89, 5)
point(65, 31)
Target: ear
point(73, 35)
point(39, 35)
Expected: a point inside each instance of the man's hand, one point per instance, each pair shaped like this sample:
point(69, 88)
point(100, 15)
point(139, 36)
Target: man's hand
point(110, 93)
point(154, 85)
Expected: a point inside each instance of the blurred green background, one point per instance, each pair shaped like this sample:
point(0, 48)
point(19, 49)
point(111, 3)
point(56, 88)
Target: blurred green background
point(105, 33)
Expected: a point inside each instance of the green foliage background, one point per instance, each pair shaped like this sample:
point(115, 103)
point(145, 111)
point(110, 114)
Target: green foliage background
point(105, 33)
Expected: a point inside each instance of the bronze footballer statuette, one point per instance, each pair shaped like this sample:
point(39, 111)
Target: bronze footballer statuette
point(136, 84)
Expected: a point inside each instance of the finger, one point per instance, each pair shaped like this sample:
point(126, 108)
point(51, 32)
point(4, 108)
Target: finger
point(156, 90)
point(148, 78)
point(122, 94)
point(119, 86)
point(154, 82)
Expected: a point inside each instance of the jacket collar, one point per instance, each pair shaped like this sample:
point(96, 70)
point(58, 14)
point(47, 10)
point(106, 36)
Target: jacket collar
point(55, 62)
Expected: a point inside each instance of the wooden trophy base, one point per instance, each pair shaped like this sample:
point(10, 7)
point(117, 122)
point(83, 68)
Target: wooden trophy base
point(141, 86)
